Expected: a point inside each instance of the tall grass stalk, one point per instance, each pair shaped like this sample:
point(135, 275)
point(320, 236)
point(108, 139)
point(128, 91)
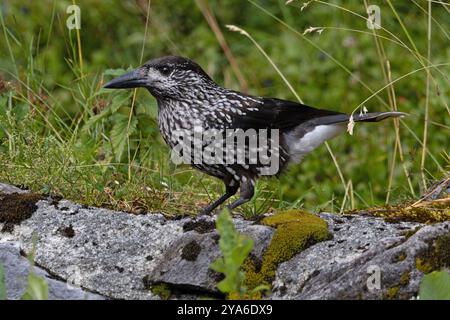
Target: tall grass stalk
point(347, 70)
point(427, 103)
point(208, 14)
point(387, 75)
point(133, 101)
point(80, 50)
point(422, 60)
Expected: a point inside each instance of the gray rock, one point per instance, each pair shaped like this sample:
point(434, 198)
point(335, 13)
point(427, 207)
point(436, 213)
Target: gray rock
point(17, 269)
point(345, 267)
point(7, 189)
point(120, 255)
point(186, 263)
point(101, 250)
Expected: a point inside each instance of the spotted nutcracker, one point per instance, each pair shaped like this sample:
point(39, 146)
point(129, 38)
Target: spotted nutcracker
point(188, 98)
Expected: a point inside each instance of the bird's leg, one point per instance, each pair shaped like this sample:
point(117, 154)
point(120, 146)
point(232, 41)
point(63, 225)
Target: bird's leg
point(247, 192)
point(229, 192)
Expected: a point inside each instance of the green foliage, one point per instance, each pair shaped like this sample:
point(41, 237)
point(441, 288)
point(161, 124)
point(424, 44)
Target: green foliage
point(37, 288)
point(235, 248)
point(2, 283)
point(46, 95)
point(435, 286)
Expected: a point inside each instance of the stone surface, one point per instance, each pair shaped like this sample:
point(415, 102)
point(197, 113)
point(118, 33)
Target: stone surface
point(101, 250)
point(6, 188)
point(121, 256)
point(342, 267)
point(17, 269)
point(180, 268)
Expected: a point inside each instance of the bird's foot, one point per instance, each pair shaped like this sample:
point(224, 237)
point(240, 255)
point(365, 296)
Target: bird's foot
point(206, 212)
point(213, 212)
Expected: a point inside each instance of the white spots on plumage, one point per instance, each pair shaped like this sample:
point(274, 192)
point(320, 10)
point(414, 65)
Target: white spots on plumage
point(231, 170)
point(200, 105)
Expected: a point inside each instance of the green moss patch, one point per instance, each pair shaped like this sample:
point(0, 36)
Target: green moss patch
point(405, 278)
point(394, 292)
point(295, 231)
point(162, 290)
point(391, 293)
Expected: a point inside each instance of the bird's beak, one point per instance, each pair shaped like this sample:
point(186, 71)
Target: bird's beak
point(132, 79)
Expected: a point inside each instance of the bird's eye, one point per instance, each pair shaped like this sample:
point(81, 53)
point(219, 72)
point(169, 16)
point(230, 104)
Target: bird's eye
point(165, 70)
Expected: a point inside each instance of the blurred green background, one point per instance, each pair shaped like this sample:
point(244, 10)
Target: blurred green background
point(61, 133)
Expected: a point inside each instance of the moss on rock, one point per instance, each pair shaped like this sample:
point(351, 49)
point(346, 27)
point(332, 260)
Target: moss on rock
point(391, 293)
point(162, 290)
point(405, 278)
point(191, 251)
point(428, 212)
point(16, 207)
point(436, 257)
point(295, 231)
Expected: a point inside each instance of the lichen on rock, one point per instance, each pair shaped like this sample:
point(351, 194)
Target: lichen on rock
point(427, 212)
point(436, 257)
point(191, 251)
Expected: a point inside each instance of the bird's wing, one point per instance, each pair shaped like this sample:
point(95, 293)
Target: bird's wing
point(277, 114)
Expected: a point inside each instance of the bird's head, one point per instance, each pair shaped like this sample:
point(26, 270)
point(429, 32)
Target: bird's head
point(169, 77)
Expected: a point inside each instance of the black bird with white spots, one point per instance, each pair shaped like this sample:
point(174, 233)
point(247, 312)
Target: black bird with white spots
point(188, 98)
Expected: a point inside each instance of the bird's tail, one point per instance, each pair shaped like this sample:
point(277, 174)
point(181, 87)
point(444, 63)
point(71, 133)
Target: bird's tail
point(308, 136)
point(366, 117)
point(378, 116)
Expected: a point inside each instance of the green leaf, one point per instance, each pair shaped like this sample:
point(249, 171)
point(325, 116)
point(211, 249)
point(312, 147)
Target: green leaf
point(120, 132)
point(435, 286)
point(235, 248)
point(3, 105)
point(2, 283)
point(21, 110)
point(117, 102)
point(114, 72)
point(37, 288)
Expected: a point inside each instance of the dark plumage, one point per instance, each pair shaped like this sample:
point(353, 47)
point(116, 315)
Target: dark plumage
point(187, 98)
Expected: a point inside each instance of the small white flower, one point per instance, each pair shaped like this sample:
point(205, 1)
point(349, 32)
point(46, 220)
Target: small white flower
point(363, 111)
point(319, 30)
point(304, 5)
point(237, 29)
point(164, 184)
